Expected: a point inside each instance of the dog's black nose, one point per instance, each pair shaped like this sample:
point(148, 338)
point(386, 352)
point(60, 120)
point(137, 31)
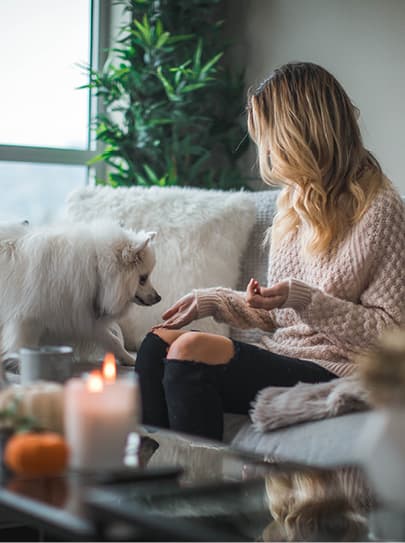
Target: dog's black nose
point(158, 298)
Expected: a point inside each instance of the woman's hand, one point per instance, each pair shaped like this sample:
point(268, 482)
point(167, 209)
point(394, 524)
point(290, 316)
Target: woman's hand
point(266, 298)
point(180, 314)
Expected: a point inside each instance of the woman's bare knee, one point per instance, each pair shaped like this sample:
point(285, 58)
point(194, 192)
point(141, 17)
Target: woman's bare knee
point(168, 335)
point(201, 347)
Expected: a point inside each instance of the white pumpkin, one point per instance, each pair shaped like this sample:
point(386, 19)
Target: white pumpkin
point(41, 400)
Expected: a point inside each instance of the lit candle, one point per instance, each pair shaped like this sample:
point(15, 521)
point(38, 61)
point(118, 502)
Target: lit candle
point(100, 411)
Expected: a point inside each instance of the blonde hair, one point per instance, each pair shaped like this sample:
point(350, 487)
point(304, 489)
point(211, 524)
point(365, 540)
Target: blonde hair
point(311, 505)
point(308, 139)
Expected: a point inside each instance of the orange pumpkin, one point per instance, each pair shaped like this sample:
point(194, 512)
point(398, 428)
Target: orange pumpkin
point(36, 454)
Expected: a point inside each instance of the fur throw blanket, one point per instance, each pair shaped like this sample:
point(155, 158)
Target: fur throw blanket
point(276, 407)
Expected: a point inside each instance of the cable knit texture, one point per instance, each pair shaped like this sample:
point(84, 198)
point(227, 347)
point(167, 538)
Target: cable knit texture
point(338, 303)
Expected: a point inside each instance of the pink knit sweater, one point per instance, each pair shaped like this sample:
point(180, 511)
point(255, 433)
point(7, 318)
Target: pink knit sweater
point(337, 304)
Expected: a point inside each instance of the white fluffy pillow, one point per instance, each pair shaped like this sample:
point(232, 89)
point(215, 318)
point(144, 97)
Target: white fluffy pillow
point(201, 236)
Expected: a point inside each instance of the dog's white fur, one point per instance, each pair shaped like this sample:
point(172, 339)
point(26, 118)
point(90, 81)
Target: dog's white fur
point(68, 283)
point(196, 245)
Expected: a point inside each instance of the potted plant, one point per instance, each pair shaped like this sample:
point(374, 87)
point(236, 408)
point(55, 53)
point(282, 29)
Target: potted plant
point(173, 112)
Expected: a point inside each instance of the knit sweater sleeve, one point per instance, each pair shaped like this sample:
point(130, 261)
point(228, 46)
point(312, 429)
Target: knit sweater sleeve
point(229, 306)
point(381, 303)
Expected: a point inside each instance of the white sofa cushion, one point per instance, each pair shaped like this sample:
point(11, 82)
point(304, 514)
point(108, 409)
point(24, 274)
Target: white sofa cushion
point(201, 236)
point(255, 257)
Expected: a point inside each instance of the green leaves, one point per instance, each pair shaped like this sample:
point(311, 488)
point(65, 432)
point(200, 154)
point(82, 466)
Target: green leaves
point(12, 418)
point(168, 119)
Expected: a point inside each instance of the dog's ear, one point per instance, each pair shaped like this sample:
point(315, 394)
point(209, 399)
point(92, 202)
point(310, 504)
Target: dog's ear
point(131, 253)
point(149, 236)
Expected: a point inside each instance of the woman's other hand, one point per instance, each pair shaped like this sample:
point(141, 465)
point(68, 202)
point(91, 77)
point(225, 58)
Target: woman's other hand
point(180, 314)
point(266, 297)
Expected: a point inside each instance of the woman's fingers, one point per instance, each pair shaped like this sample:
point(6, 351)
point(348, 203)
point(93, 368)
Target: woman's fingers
point(180, 314)
point(181, 318)
point(270, 297)
point(177, 322)
point(266, 302)
point(171, 311)
point(252, 289)
point(168, 325)
point(171, 324)
point(249, 294)
point(276, 290)
point(180, 305)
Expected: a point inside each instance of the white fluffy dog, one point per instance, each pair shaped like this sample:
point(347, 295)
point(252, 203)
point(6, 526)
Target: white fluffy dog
point(69, 283)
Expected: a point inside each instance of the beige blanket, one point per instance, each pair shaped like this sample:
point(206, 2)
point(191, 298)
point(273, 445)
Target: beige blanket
point(277, 407)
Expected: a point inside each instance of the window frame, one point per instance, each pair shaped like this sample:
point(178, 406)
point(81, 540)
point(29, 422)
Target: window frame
point(100, 17)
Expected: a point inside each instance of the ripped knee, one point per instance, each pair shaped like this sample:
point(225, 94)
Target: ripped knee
point(201, 347)
point(168, 336)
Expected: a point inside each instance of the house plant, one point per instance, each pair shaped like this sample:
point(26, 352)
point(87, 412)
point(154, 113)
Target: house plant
point(172, 110)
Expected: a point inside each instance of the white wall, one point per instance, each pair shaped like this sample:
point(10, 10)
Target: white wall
point(362, 42)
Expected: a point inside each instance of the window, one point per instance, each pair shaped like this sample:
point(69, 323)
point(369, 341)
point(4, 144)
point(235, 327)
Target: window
point(45, 139)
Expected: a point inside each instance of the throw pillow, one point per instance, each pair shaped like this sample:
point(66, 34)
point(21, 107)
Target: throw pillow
point(201, 235)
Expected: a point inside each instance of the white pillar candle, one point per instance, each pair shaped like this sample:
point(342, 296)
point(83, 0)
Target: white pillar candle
point(99, 414)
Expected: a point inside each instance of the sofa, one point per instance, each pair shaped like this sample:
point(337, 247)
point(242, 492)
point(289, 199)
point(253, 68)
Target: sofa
point(228, 227)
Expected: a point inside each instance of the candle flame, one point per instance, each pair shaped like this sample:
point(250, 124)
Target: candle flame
point(95, 381)
point(109, 368)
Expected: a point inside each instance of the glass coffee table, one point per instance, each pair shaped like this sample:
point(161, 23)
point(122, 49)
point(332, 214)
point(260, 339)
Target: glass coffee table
point(179, 488)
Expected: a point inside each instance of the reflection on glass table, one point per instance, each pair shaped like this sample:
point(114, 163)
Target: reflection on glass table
point(224, 496)
point(181, 488)
point(318, 505)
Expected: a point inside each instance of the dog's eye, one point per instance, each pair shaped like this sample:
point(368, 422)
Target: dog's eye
point(143, 279)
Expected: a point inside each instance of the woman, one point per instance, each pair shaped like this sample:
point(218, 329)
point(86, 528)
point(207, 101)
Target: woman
point(336, 267)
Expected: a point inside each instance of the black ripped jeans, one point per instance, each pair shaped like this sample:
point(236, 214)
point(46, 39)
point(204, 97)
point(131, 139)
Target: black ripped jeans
point(191, 397)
